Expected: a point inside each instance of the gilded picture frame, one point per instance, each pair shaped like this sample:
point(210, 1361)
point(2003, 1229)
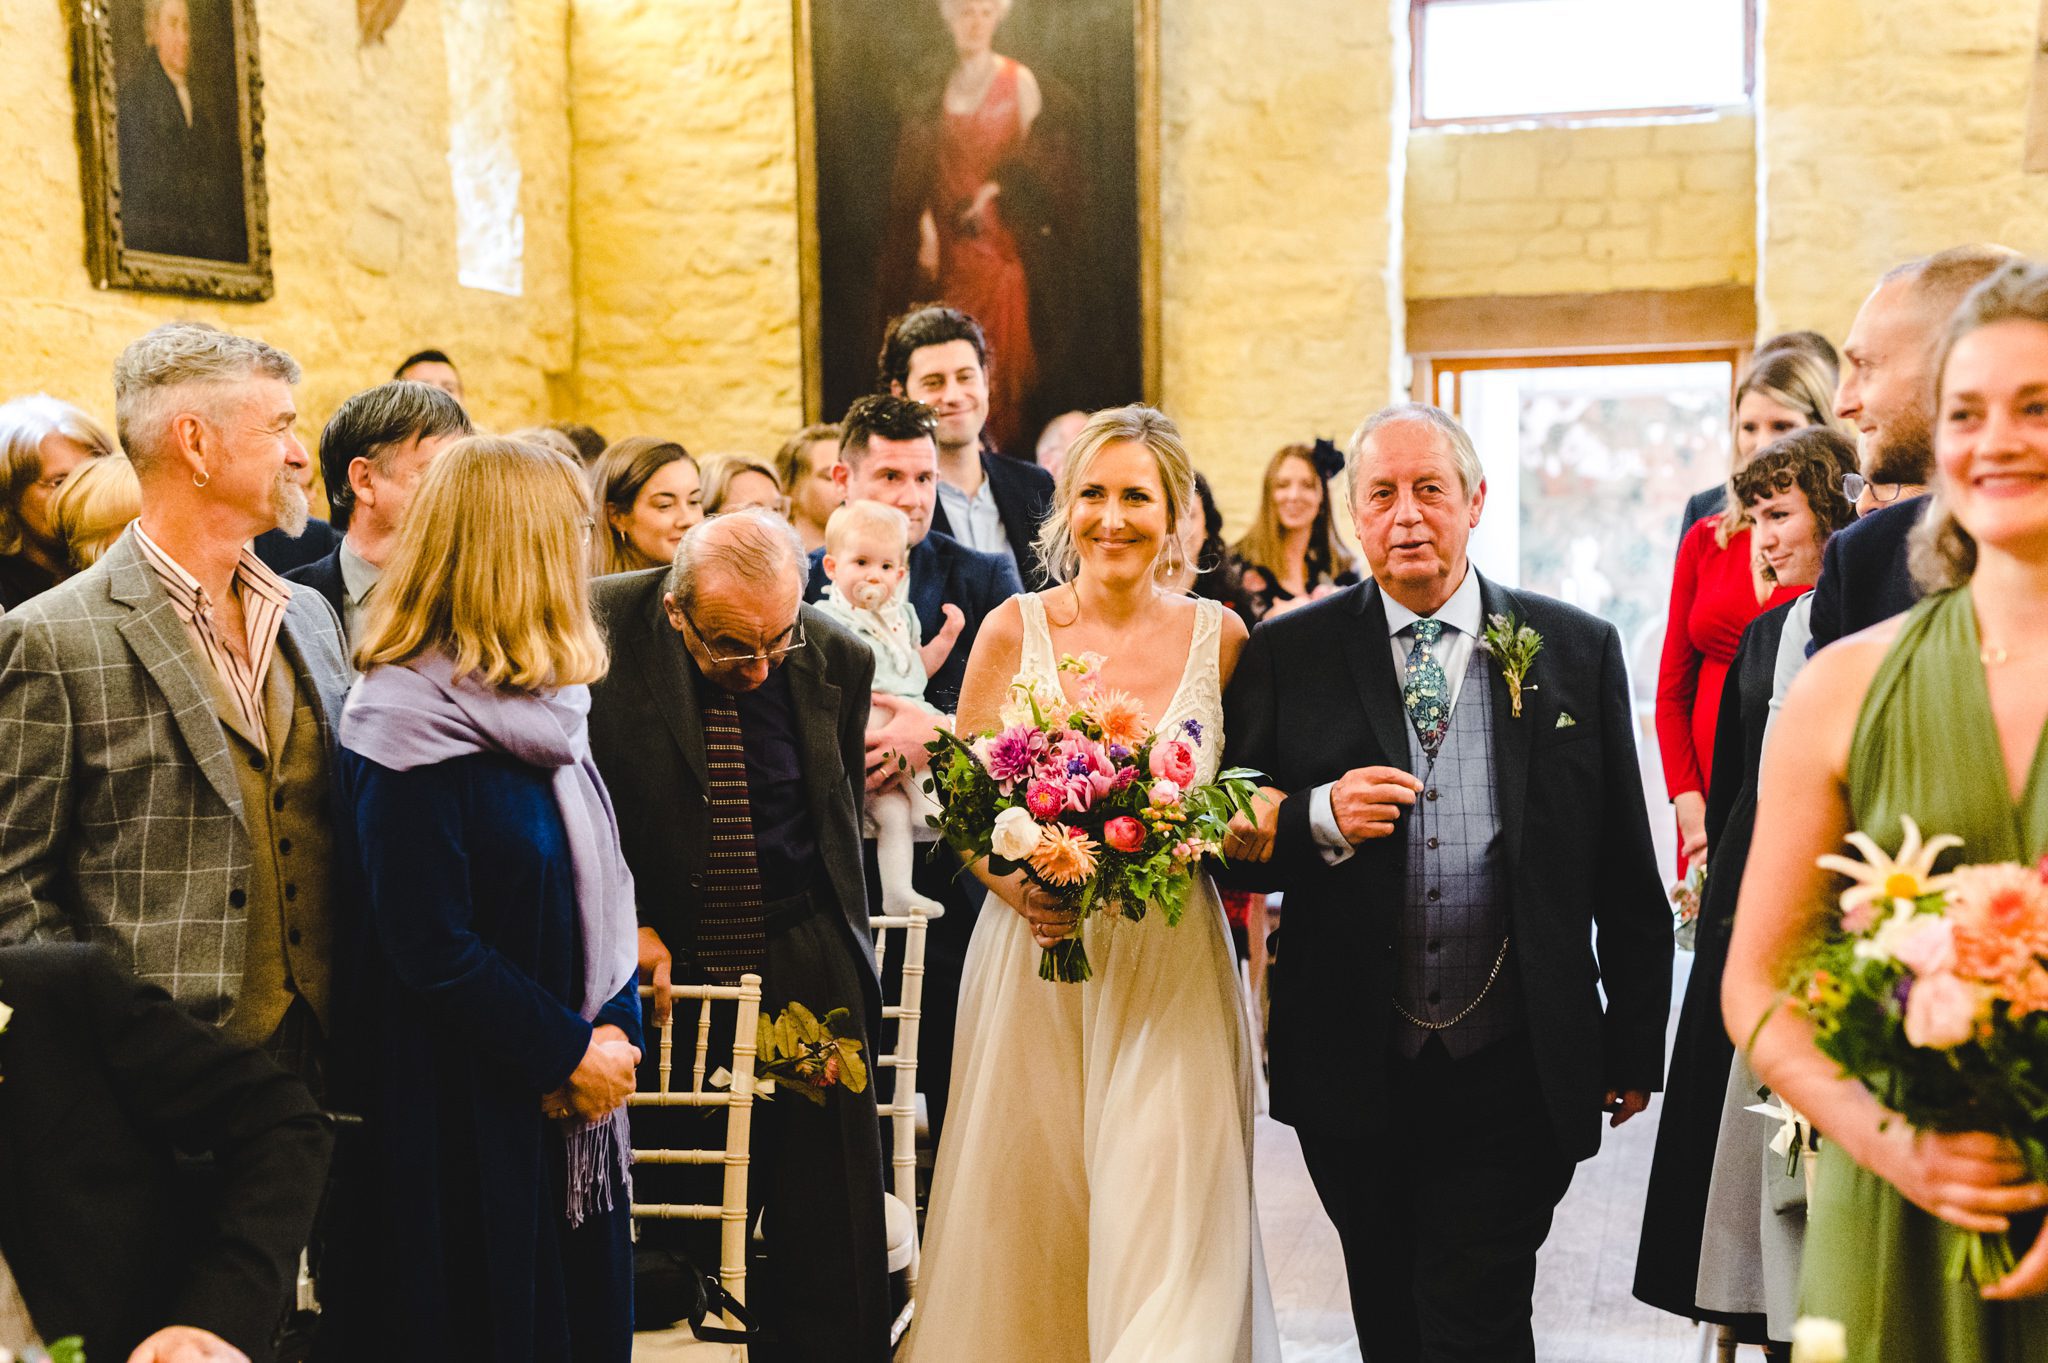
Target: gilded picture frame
point(170, 140)
point(1076, 195)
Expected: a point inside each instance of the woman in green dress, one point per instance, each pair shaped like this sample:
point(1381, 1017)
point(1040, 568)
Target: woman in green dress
point(1950, 701)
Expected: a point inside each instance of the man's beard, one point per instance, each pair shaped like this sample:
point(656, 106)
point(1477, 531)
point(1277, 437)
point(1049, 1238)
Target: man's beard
point(288, 504)
point(1902, 452)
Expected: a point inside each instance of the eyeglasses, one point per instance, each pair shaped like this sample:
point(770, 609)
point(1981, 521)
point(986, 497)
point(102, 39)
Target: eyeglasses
point(784, 644)
point(1854, 485)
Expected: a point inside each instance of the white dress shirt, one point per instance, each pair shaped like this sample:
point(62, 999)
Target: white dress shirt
point(1463, 618)
point(974, 520)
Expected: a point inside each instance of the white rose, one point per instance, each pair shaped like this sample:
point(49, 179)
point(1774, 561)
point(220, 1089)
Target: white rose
point(1016, 834)
point(1818, 1340)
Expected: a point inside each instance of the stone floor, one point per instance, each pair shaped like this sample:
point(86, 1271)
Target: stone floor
point(1584, 1313)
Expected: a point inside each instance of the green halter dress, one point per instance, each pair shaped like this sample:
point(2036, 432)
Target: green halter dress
point(1925, 746)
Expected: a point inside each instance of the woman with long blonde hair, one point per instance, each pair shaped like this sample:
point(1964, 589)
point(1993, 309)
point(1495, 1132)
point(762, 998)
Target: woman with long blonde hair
point(489, 1023)
point(1131, 1215)
point(1293, 554)
point(1936, 715)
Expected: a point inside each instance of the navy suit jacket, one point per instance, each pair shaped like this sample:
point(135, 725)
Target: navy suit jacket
point(944, 571)
point(324, 576)
point(1315, 695)
point(281, 552)
point(1023, 494)
point(1864, 576)
point(1708, 501)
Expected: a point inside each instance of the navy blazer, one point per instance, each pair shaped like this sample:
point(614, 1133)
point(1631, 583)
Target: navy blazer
point(1708, 501)
point(109, 1233)
point(1023, 494)
point(1864, 575)
point(1315, 695)
point(281, 552)
point(324, 576)
point(944, 571)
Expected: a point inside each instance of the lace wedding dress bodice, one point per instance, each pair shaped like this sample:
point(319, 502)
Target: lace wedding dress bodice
point(1198, 700)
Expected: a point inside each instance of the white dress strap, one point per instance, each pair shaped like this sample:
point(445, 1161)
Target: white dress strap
point(1037, 659)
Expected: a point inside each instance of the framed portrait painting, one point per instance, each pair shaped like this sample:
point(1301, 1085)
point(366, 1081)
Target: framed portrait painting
point(170, 131)
point(996, 155)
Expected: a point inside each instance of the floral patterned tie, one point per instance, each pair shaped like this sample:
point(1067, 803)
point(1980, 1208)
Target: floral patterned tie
point(1425, 692)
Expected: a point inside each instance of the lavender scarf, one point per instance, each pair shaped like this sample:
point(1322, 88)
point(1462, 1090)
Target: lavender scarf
point(416, 715)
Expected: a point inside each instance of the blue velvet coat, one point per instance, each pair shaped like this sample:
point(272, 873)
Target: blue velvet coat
point(457, 995)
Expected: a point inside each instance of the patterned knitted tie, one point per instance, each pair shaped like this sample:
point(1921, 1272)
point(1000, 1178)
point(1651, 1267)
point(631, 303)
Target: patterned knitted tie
point(1425, 692)
point(730, 938)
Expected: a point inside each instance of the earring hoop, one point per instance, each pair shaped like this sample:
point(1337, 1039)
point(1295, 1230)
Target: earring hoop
point(201, 478)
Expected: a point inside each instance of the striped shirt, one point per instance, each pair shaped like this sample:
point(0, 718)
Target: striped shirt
point(263, 595)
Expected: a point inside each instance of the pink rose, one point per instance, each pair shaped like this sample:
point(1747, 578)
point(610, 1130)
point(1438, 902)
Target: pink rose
point(1164, 795)
point(1125, 834)
point(1927, 947)
point(1045, 799)
point(1173, 761)
point(1942, 1011)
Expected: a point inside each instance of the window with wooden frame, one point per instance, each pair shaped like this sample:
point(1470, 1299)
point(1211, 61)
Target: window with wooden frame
point(1504, 61)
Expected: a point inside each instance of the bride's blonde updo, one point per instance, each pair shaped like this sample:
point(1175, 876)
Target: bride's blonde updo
point(1138, 424)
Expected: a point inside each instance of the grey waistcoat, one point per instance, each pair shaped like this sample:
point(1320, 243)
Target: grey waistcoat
point(1455, 912)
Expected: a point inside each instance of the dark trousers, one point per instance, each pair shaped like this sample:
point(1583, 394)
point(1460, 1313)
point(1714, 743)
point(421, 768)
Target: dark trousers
point(816, 1174)
point(1442, 1205)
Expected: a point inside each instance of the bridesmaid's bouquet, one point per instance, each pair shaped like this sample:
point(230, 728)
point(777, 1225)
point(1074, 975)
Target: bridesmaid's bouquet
point(1087, 800)
point(1934, 993)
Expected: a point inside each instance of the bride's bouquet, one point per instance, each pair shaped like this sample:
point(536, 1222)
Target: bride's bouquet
point(1088, 801)
point(1934, 993)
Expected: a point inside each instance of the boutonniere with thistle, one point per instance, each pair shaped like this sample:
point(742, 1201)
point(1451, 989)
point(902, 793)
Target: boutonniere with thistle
point(1514, 646)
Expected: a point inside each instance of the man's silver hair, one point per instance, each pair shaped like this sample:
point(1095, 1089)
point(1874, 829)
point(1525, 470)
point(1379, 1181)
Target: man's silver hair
point(754, 545)
point(184, 367)
point(1471, 472)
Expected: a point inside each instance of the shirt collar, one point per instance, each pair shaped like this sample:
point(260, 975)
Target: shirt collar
point(358, 574)
point(1462, 612)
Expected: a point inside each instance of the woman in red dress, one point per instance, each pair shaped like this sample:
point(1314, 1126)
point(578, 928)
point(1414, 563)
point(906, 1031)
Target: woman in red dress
point(950, 177)
point(1719, 587)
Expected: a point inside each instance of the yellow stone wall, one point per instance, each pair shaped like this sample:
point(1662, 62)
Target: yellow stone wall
point(1888, 130)
point(687, 292)
point(362, 221)
point(1282, 267)
point(1588, 209)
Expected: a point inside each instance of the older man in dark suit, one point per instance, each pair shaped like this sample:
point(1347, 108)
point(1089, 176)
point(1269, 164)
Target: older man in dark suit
point(180, 151)
point(1450, 845)
point(730, 731)
point(103, 1233)
point(167, 715)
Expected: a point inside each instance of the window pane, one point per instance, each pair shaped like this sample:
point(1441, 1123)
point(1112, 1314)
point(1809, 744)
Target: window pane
point(1495, 58)
point(1587, 473)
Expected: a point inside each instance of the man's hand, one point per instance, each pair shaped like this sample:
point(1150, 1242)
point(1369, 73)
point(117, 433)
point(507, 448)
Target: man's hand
point(1252, 839)
point(898, 745)
point(1624, 1104)
point(186, 1344)
point(1368, 800)
point(657, 967)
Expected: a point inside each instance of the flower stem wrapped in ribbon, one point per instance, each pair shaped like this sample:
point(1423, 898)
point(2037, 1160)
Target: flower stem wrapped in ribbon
point(1933, 992)
point(1088, 801)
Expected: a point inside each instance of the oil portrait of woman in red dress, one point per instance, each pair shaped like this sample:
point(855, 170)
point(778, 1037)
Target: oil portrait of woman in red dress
point(983, 154)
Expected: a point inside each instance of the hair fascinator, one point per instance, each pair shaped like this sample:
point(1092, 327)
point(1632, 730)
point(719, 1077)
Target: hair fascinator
point(1328, 459)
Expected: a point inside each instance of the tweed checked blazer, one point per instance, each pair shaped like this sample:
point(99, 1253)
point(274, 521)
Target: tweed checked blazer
point(120, 817)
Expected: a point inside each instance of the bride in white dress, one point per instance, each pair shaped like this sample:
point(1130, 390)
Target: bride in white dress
point(1093, 1195)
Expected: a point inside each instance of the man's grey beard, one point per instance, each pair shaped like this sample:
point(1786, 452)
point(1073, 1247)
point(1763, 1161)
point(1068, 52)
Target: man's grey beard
point(288, 503)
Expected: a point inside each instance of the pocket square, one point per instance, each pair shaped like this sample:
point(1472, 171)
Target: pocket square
point(1564, 720)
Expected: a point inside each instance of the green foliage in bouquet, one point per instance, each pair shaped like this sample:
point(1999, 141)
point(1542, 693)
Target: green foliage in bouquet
point(800, 1053)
